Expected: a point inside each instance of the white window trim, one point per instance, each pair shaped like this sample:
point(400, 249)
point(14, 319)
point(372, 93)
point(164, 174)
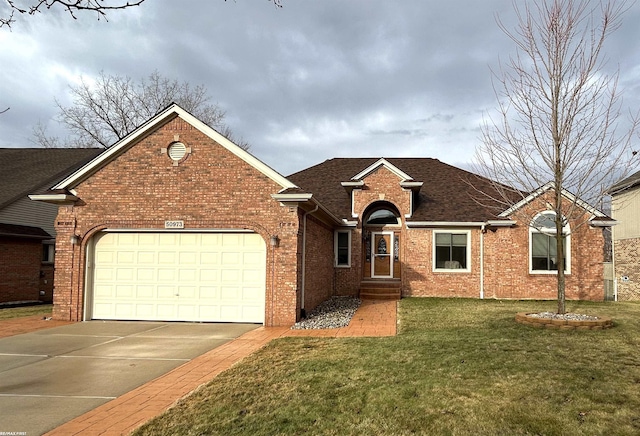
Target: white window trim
point(551, 232)
point(335, 249)
point(433, 251)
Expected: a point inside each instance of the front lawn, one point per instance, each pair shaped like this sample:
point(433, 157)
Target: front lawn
point(457, 367)
point(17, 312)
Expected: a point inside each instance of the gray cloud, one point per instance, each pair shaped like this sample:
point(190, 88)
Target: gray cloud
point(302, 84)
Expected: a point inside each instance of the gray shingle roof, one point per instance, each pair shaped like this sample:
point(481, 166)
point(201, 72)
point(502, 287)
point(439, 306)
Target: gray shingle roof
point(25, 171)
point(629, 182)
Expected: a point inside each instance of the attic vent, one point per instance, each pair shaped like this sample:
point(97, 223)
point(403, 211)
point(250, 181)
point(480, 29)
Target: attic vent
point(177, 151)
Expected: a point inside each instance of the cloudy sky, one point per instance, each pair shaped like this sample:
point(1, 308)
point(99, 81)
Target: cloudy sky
point(313, 80)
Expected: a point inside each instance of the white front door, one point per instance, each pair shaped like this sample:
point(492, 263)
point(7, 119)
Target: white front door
point(382, 254)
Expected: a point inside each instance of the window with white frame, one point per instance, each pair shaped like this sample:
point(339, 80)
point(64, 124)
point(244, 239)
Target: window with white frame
point(342, 248)
point(452, 251)
point(542, 244)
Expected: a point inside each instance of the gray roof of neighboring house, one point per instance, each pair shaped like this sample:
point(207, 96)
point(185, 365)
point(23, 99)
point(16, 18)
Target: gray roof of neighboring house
point(25, 171)
point(448, 194)
point(14, 230)
point(627, 183)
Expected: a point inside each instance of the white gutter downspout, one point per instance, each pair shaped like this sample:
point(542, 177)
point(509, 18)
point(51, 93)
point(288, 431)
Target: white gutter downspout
point(482, 230)
point(304, 254)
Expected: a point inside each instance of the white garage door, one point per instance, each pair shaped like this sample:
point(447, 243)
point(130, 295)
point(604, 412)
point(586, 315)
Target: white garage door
point(218, 277)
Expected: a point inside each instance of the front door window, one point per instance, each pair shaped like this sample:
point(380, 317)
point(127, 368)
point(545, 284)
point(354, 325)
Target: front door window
point(382, 254)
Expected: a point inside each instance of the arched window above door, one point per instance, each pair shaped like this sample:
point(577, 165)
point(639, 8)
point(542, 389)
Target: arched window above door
point(382, 217)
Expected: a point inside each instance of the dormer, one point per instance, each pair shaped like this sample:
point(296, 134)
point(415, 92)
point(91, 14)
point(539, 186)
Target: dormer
point(382, 181)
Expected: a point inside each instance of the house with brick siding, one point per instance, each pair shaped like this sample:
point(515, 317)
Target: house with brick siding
point(176, 222)
point(625, 209)
point(27, 232)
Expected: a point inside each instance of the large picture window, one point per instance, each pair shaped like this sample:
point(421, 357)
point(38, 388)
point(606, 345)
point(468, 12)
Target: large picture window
point(451, 251)
point(342, 248)
point(542, 236)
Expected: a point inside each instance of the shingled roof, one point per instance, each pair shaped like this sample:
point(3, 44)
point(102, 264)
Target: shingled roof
point(627, 183)
point(449, 194)
point(26, 171)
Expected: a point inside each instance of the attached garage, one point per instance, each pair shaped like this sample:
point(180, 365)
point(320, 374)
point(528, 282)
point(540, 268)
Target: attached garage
point(204, 277)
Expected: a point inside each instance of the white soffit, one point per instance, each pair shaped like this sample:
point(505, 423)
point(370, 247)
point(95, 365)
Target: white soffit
point(173, 110)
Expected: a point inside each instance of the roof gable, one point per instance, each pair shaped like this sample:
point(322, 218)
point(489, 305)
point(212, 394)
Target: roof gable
point(166, 115)
point(382, 162)
point(545, 188)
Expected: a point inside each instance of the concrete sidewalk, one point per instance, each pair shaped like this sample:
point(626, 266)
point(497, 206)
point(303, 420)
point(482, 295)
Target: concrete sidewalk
point(129, 411)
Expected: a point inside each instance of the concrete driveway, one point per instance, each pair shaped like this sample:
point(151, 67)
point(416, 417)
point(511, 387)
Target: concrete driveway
point(51, 376)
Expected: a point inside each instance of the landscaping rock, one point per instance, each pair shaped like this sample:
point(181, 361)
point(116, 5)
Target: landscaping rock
point(333, 313)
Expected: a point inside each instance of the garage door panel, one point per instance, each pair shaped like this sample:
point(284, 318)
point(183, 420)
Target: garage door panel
point(167, 257)
point(146, 257)
point(180, 276)
point(145, 274)
point(124, 274)
point(208, 293)
point(187, 275)
point(144, 292)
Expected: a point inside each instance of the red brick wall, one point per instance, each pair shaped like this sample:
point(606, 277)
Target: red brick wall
point(506, 256)
point(19, 269)
point(347, 280)
point(419, 279)
point(211, 189)
point(319, 269)
point(507, 265)
point(381, 185)
point(627, 253)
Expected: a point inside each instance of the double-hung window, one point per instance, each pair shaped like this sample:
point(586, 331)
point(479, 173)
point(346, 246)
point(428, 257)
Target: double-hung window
point(451, 251)
point(342, 248)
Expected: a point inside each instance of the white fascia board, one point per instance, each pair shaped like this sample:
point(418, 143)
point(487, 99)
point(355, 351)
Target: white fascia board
point(352, 184)
point(292, 198)
point(382, 162)
point(121, 145)
point(541, 190)
point(54, 198)
point(444, 224)
point(603, 223)
point(501, 223)
point(410, 184)
point(347, 223)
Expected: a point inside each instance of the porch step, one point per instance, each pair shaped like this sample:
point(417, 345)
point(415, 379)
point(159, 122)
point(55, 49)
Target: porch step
point(380, 289)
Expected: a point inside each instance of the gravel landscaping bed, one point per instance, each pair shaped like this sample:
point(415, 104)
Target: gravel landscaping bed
point(333, 313)
point(566, 316)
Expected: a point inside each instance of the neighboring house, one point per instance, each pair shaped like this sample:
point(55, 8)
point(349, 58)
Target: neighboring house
point(27, 230)
point(175, 222)
point(625, 208)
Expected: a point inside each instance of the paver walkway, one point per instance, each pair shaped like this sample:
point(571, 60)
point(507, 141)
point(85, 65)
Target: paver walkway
point(129, 411)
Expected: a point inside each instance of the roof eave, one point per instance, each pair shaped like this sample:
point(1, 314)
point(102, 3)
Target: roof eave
point(59, 199)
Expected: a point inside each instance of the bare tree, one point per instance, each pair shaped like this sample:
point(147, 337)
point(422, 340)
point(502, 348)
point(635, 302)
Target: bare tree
point(559, 117)
point(109, 108)
point(100, 7)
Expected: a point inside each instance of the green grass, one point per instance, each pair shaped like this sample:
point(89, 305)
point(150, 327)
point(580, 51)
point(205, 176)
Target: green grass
point(457, 367)
point(17, 312)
